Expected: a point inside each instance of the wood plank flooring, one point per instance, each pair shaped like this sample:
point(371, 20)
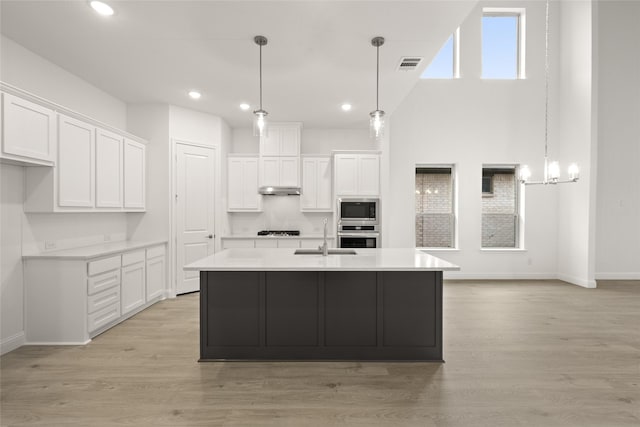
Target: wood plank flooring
point(539, 353)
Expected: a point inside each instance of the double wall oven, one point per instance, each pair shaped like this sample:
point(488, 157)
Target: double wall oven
point(358, 223)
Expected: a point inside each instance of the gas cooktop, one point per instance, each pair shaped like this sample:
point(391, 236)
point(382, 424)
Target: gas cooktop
point(279, 233)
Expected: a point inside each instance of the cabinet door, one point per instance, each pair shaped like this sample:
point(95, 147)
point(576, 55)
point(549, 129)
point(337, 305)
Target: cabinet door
point(238, 243)
point(269, 171)
point(251, 200)
point(76, 160)
point(266, 243)
point(369, 175)
point(155, 277)
point(133, 287)
point(346, 174)
point(270, 144)
point(134, 175)
point(324, 199)
point(289, 171)
point(309, 177)
point(108, 169)
point(290, 141)
point(235, 189)
point(289, 243)
point(28, 129)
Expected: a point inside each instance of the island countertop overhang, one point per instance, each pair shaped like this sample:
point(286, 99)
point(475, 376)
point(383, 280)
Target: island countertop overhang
point(382, 259)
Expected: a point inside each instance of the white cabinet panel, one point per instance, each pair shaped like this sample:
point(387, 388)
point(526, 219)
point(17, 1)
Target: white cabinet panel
point(281, 140)
point(76, 160)
point(103, 317)
point(270, 144)
point(289, 243)
point(346, 175)
point(134, 175)
point(28, 131)
point(109, 171)
point(290, 141)
point(289, 171)
point(238, 243)
point(103, 299)
point(316, 184)
point(100, 282)
point(156, 276)
point(242, 184)
point(266, 243)
point(357, 174)
point(132, 287)
point(269, 171)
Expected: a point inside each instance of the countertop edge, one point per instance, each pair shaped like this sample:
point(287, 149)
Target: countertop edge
point(304, 237)
point(93, 251)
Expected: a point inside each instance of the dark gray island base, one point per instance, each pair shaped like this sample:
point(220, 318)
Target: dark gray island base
point(321, 315)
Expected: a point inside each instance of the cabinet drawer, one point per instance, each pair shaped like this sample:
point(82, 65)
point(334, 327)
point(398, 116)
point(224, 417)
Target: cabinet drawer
point(289, 243)
point(267, 243)
point(132, 257)
point(103, 316)
point(154, 252)
point(103, 265)
point(237, 243)
point(103, 299)
point(103, 281)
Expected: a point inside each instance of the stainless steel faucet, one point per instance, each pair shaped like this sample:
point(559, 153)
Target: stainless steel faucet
point(325, 247)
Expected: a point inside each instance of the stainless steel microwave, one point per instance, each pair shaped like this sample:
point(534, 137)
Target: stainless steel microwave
point(352, 211)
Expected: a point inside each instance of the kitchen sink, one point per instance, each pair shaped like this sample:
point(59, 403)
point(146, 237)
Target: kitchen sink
point(319, 252)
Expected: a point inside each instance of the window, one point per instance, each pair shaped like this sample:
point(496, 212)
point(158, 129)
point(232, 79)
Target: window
point(503, 43)
point(435, 217)
point(445, 65)
point(500, 207)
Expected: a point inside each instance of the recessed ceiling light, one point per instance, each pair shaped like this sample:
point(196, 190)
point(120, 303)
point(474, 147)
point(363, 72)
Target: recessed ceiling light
point(102, 8)
point(346, 107)
point(195, 94)
point(244, 106)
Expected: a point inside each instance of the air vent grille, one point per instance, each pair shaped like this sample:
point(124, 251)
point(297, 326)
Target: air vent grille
point(409, 63)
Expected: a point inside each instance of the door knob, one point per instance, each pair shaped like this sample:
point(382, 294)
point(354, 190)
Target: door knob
point(210, 236)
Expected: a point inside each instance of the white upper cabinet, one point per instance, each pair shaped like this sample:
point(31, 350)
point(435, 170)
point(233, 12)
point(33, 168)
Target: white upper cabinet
point(109, 172)
point(75, 166)
point(357, 174)
point(279, 171)
point(316, 184)
point(28, 131)
point(283, 139)
point(242, 184)
point(134, 175)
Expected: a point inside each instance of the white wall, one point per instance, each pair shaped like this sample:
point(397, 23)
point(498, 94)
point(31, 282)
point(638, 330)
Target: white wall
point(470, 122)
point(618, 188)
point(576, 202)
point(22, 68)
point(11, 290)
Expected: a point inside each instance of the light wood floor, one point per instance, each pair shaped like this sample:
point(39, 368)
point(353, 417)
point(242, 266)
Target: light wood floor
point(517, 354)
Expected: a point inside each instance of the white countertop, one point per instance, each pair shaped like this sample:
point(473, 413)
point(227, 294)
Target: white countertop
point(254, 236)
point(387, 259)
point(95, 251)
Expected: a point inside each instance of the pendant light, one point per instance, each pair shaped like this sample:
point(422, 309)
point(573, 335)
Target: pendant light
point(551, 168)
point(260, 115)
point(376, 122)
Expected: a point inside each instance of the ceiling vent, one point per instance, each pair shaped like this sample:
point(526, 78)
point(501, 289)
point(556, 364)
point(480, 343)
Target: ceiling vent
point(409, 63)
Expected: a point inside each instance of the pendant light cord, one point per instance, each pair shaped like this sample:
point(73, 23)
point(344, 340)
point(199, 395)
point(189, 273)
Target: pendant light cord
point(260, 77)
point(546, 82)
point(377, 76)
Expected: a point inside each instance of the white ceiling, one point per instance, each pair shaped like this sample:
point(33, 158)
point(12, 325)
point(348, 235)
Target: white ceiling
point(319, 53)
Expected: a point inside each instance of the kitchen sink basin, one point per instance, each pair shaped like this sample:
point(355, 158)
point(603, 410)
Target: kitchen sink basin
point(319, 252)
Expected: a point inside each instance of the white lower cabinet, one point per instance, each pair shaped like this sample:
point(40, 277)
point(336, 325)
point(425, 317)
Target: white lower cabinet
point(133, 283)
point(69, 301)
point(266, 243)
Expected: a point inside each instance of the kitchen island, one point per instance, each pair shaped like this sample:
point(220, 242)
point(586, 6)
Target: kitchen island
point(379, 304)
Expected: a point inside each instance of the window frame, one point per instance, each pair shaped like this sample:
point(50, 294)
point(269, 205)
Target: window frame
point(454, 205)
point(520, 14)
point(455, 60)
point(518, 207)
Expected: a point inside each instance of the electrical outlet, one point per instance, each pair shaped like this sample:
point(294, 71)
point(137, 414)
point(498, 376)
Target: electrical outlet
point(49, 244)
point(107, 237)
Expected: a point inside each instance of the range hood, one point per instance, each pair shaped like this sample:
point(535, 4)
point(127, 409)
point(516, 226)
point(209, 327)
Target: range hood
point(279, 191)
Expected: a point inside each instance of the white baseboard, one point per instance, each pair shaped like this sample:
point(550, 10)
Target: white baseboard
point(618, 276)
point(11, 343)
point(585, 283)
point(452, 275)
point(58, 342)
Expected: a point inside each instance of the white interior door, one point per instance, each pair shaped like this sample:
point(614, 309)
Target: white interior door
point(195, 179)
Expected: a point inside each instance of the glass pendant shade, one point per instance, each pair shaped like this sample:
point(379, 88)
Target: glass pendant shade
point(574, 172)
point(260, 127)
point(376, 123)
point(553, 171)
